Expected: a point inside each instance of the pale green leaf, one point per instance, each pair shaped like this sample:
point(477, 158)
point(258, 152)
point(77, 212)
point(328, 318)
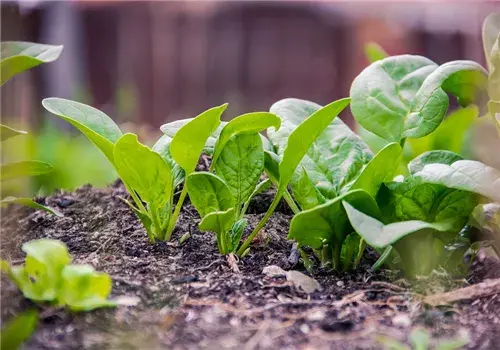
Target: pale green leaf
point(162, 146)
point(25, 168)
point(208, 193)
point(374, 52)
point(18, 330)
point(491, 30)
point(305, 193)
point(7, 132)
point(432, 157)
point(28, 202)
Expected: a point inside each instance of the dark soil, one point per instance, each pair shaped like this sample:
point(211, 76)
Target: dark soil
point(191, 298)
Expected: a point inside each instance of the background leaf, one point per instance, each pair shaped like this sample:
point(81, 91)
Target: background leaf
point(374, 52)
point(28, 202)
point(18, 330)
point(432, 157)
point(491, 30)
point(25, 168)
point(162, 147)
point(7, 132)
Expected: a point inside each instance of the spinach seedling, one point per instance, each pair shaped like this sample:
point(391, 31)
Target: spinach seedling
point(222, 199)
point(48, 277)
point(297, 144)
point(150, 175)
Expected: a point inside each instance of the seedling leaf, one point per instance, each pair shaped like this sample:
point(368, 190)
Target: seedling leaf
point(209, 193)
point(25, 168)
point(28, 202)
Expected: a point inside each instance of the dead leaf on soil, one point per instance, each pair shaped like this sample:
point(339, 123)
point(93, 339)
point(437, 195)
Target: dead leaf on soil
point(300, 280)
point(232, 260)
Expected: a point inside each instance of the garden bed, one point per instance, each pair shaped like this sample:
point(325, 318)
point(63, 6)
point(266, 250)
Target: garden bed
point(190, 297)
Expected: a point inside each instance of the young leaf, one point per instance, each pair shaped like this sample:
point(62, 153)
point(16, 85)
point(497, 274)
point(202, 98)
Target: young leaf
point(328, 222)
point(237, 232)
point(18, 56)
point(240, 165)
point(272, 166)
point(467, 175)
point(379, 170)
point(84, 289)
point(144, 170)
point(93, 123)
point(7, 132)
point(250, 123)
point(25, 168)
point(221, 223)
point(491, 30)
point(305, 193)
point(162, 147)
point(28, 202)
point(208, 193)
point(374, 52)
point(188, 142)
point(261, 187)
point(432, 157)
point(18, 330)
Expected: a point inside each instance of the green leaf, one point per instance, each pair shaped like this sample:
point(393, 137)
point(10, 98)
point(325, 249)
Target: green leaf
point(350, 250)
point(162, 147)
point(306, 194)
point(7, 132)
point(144, 170)
point(25, 168)
point(93, 123)
point(190, 139)
point(378, 235)
point(374, 52)
point(491, 30)
point(18, 330)
point(261, 187)
point(250, 123)
point(328, 222)
point(467, 175)
point(28, 202)
point(380, 169)
point(84, 289)
point(406, 96)
point(494, 77)
point(240, 165)
point(237, 232)
point(333, 159)
point(272, 166)
point(221, 223)
point(208, 193)
point(432, 157)
point(18, 56)
point(40, 278)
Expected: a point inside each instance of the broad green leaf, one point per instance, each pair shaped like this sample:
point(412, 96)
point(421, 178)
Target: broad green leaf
point(190, 139)
point(19, 56)
point(261, 187)
point(40, 278)
point(84, 289)
point(250, 123)
point(378, 235)
point(305, 193)
point(162, 146)
point(374, 52)
point(432, 157)
point(380, 169)
point(143, 170)
point(328, 222)
point(18, 330)
point(25, 168)
point(375, 142)
point(406, 96)
point(334, 156)
point(7, 132)
point(28, 202)
point(221, 223)
point(208, 193)
point(93, 123)
point(467, 175)
point(491, 30)
point(240, 165)
point(272, 166)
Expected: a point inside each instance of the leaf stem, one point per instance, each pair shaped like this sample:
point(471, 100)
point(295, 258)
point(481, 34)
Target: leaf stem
point(154, 218)
point(382, 258)
point(173, 218)
point(289, 200)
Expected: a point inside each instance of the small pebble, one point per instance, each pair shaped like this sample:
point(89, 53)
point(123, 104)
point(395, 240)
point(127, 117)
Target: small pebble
point(340, 283)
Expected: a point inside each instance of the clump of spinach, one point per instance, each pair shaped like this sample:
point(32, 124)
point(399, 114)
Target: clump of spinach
point(18, 57)
point(337, 166)
point(48, 277)
point(150, 175)
point(222, 198)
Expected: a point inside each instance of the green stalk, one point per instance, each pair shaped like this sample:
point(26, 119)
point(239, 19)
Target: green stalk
point(382, 258)
point(335, 251)
point(289, 200)
point(136, 199)
point(156, 222)
point(362, 245)
point(173, 218)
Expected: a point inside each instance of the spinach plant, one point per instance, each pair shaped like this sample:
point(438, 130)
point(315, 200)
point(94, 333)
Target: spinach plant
point(149, 174)
point(48, 277)
point(222, 198)
point(17, 57)
point(337, 166)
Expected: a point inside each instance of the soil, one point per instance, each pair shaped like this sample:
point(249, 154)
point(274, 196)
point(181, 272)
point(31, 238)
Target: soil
point(189, 296)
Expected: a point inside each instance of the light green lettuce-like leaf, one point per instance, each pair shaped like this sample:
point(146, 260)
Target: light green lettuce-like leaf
point(335, 157)
point(18, 330)
point(40, 277)
point(144, 170)
point(250, 123)
point(380, 169)
point(162, 146)
point(6, 132)
point(208, 193)
point(25, 168)
point(374, 52)
point(467, 175)
point(328, 223)
point(190, 139)
point(221, 223)
point(406, 96)
point(432, 157)
point(84, 289)
point(240, 165)
point(19, 56)
point(491, 31)
point(93, 123)
point(28, 202)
